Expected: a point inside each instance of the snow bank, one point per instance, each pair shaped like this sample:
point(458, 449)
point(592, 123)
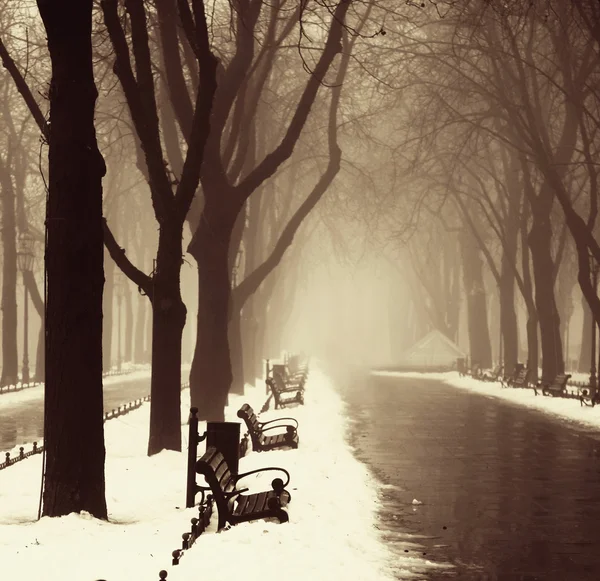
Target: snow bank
point(332, 533)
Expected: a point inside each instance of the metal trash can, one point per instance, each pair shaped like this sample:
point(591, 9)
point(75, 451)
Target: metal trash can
point(225, 437)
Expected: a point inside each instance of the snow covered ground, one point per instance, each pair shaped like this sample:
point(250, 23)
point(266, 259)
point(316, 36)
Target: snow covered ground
point(569, 410)
point(332, 534)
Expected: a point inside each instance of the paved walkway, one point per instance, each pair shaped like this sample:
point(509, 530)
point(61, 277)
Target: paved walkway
point(508, 493)
point(22, 413)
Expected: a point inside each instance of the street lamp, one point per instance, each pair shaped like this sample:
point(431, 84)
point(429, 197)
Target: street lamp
point(25, 257)
point(119, 285)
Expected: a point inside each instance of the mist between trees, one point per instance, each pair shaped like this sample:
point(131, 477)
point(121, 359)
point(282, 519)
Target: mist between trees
point(212, 182)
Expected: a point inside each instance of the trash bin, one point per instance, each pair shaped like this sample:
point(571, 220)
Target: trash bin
point(225, 437)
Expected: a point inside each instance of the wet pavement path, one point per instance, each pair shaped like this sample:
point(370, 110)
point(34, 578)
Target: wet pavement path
point(508, 493)
point(22, 422)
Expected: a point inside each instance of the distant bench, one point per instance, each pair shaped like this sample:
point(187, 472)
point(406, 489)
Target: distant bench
point(262, 442)
point(557, 387)
point(520, 378)
point(232, 506)
point(283, 393)
point(295, 379)
point(493, 375)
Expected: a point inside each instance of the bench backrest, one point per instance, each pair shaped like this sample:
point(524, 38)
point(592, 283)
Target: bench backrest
point(278, 382)
point(518, 368)
point(560, 381)
point(522, 376)
point(215, 470)
point(293, 364)
point(247, 414)
point(279, 369)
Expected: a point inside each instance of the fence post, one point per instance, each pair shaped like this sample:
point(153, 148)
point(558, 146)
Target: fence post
point(267, 371)
point(193, 439)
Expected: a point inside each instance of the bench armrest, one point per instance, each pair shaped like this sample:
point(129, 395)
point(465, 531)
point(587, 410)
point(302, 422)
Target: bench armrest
point(230, 495)
point(244, 474)
point(262, 424)
point(288, 427)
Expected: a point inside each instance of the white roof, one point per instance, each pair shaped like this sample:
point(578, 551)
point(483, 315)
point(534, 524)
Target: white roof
point(433, 350)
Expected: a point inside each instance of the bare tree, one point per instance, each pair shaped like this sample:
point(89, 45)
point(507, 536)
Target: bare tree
point(73, 414)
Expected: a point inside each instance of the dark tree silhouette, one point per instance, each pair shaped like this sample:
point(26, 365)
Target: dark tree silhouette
point(73, 424)
point(211, 373)
point(171, 198)
point(10, 364)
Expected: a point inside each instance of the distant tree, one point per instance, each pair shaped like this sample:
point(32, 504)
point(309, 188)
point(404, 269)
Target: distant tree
point(226, 193)
point(73, 414)
point(129, 32)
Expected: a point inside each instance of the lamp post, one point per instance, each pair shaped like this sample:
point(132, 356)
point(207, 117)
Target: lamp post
point(119, 284)
point(593, 379)
point(25, 257)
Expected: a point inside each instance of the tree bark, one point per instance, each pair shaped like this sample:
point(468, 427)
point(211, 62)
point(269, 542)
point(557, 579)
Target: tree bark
point(236, 351)
point(108, 315)
point(128, 351)
point(10, 361)
point(73, 410)
point(38, 304)
point(585, 357)
point(479, 334)
point(165, 387)
point(540, 240)
point(210, 374)
point(508, 315)
point(140, 330)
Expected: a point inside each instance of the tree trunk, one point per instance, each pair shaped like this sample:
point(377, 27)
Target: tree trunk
point(168, 321)
point(127, 355)
point(140, 330)
point(533, 353)
point(540, 238)
point(236, 351)
point(40, 362)
point(210, 375)
point(108, 312)
point(479, 335)
point(585, 357)
point(508, 314)
point(251, 348)
point(73, 411)
point(10, 361)
point(38, 304)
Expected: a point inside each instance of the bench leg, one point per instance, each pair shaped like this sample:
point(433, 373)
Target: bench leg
point(278, 505)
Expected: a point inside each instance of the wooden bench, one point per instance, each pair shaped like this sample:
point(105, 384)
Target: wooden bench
point(291, 380)
point(520, 379)
point(494, 375)
point(296, 366)
point(262, 442)
point(557, 387)
point(283, 393)
point(232, 506)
